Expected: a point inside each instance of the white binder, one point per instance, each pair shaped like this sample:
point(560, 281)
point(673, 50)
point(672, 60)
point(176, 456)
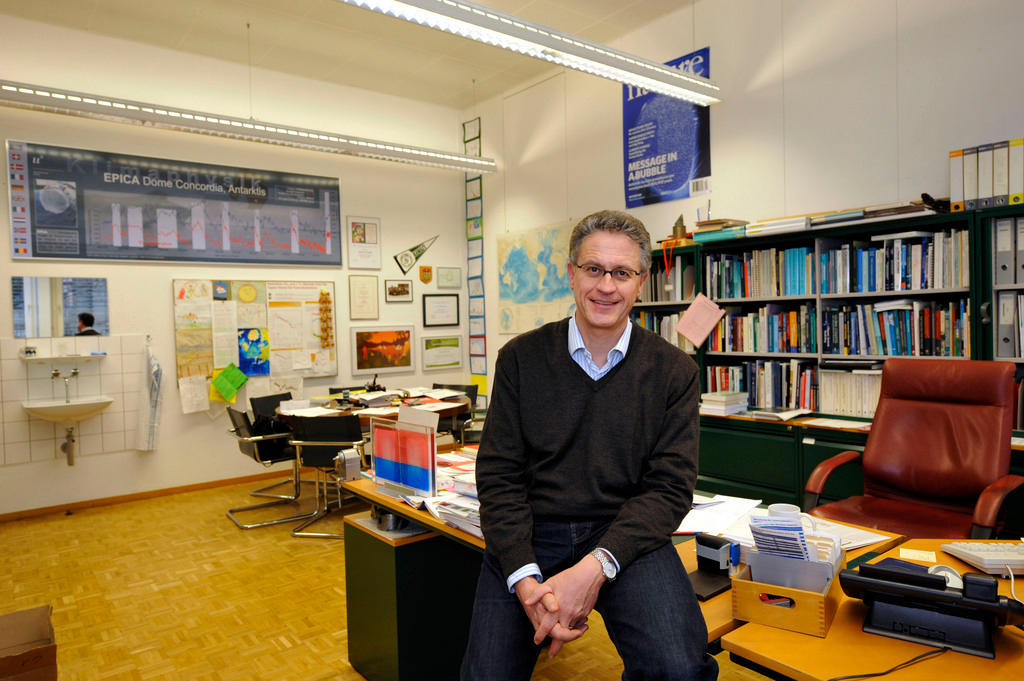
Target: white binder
point(1005, 344)
point(1005, 267)
point(971, 178)
point(985, 199)
point(1000, 173)
point(1020, 250)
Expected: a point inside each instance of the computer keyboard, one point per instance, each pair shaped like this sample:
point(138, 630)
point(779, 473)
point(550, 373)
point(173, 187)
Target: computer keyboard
point(990, 557)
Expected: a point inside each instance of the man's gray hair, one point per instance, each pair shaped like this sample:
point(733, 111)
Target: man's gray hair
point(614, 221)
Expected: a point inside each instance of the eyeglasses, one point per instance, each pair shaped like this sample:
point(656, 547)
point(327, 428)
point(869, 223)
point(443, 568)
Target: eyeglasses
point(620, 275)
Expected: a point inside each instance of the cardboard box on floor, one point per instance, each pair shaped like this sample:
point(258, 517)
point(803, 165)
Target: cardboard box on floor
point(28, 650)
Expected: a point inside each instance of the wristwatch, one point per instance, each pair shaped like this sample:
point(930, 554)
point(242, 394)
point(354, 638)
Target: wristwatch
point(607, 566)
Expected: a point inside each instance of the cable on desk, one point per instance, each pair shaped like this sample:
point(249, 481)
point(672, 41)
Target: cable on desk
point(1009, 571)
point(901, 665)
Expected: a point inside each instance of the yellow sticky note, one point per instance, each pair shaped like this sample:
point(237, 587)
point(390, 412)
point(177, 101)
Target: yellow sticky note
point(914, 554)
point(215, 395)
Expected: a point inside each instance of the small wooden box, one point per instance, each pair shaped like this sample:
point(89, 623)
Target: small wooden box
point(810, 613)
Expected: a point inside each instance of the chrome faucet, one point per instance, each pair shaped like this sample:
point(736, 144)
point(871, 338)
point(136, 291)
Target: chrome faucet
point(55, 374)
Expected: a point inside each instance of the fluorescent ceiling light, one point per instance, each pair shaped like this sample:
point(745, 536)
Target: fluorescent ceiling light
point(512, 33)
point(42, 98)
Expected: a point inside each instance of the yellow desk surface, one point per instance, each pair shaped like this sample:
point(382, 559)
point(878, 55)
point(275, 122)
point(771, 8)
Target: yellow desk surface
point(848, 650)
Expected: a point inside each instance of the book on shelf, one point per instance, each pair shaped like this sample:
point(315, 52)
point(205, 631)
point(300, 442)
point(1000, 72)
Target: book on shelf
point(776, 413)
point(837, 216)
point(721, 410)
point(721, 223)
point(779, 226)
point(724, 397)
point(722, 234)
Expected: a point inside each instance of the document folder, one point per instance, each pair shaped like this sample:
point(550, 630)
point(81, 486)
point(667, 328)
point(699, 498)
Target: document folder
point(1005, 268)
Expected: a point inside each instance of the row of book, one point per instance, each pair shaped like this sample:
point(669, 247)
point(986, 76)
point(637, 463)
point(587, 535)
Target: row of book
point(665, 326)
point(792, 384)
point(763, 273)
point(798, 384)
point(771, 328)
point(909, 261)
point(988, 175)
point(674, 286)
point(898, 328)
point(849, 393)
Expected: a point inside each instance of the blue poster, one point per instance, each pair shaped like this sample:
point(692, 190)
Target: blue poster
point(666, 142)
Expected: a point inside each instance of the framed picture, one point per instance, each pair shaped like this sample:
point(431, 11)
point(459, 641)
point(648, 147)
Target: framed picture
point(362, 296)
point(441, 352)
point(381, 349)
point(398, 290)
point(449, 277)
point(476, 307)
point(362, 235)
point(471, 129)
point(440, 309)
point(476, 286)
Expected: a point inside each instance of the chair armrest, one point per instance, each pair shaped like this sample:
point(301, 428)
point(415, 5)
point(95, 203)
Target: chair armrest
point(259, 438)
point(326, 443)
point(986, 510)
point(819, 476)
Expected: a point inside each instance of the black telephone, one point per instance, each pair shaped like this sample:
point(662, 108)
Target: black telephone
point(918, 606)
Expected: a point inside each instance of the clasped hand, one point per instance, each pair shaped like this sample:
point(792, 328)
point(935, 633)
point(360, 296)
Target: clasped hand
point(560, 606)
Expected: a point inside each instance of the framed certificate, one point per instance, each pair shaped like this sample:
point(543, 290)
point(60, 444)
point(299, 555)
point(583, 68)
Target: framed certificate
point(362, 296)
point(440, 309)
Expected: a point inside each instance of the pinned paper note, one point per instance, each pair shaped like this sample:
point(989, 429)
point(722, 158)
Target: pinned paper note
point(699, 319)
point(226, 382)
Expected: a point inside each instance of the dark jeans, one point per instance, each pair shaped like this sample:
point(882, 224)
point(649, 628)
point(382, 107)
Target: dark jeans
point(650, 612)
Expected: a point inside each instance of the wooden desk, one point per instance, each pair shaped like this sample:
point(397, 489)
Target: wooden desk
point(848, 650)
point(717, 611)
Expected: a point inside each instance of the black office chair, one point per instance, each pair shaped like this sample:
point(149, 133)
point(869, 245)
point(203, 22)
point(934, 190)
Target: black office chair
point(318, 440)
point(265, 421)
point(459, 424)
point(267, 450)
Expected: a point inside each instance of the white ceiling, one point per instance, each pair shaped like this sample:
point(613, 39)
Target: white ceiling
point(330, 41)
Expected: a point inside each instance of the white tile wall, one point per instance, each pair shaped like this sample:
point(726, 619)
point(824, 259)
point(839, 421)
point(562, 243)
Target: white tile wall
point(24, 439)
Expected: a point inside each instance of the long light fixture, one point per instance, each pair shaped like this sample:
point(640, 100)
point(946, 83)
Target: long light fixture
point(40, 98)
point(512, 33)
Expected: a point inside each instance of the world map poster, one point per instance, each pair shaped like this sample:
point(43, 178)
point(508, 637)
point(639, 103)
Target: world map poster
point(533, 280)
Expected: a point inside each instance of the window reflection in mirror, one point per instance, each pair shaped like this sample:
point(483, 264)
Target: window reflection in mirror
point(46, 307)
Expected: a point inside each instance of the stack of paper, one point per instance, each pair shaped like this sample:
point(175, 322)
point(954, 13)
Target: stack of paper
point(713, 515)
point(461, 512)
point(378, 398)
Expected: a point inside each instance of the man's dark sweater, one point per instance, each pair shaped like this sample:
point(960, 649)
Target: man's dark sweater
point(558, 445)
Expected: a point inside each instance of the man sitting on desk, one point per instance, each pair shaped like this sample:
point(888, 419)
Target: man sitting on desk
point(586, 466)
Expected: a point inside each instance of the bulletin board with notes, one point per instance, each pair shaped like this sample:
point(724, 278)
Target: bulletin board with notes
point(280, 328)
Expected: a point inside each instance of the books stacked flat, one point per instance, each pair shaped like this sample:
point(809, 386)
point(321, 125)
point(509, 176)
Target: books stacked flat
point(779, 226)
point(720, 234)
point(723, 403)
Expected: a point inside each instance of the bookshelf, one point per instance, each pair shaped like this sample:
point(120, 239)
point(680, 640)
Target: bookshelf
point(842, 294)
point(812, 314)
point(675, 274)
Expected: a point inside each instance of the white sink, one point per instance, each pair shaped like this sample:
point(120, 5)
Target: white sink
point(59, 411)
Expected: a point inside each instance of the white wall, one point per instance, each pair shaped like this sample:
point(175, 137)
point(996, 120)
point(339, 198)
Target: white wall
point(413, 204)
point(827, 104)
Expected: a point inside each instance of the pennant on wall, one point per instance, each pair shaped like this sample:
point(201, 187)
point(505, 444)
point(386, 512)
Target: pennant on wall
point(406, 259)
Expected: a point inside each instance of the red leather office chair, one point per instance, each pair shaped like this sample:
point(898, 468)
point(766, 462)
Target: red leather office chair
point(937, 458)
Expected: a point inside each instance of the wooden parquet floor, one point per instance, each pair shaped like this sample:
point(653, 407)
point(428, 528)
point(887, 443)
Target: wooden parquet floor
point(169, 589)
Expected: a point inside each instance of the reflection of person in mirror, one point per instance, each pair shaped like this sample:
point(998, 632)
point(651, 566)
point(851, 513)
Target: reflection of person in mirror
point(85, 322)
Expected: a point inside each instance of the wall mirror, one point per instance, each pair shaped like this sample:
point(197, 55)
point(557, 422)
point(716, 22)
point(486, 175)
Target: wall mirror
point(49, 307)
